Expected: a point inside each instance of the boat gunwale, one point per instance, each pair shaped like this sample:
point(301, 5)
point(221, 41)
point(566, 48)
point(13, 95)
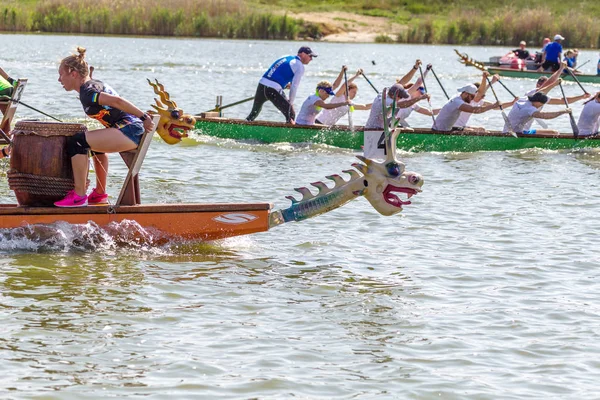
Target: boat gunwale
point(174, 208)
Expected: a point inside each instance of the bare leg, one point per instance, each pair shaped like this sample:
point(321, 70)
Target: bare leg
point(101, 168)
point(80, 164)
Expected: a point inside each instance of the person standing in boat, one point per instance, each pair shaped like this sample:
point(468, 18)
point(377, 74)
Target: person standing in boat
point(314, 103)
point(552, 57)
point(330, 117)
point(523, 112)
point(285, 71)
point(124, 125)
point(403, 100)
point(589, 119)
point(450, 112)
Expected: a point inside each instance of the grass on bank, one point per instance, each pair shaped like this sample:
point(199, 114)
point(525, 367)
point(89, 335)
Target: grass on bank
point(482, 22)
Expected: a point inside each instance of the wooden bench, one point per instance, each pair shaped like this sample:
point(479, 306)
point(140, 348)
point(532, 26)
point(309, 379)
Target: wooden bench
point(9, 108)
point(130, 193)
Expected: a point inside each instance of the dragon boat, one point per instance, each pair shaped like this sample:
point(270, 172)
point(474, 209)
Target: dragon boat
point(414, 139)
point(521, 73)
point(40, 173)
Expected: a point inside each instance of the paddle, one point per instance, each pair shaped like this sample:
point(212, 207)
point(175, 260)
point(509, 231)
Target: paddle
point(369, 82)
point(231, 105)
point(440, 83)
point(576, 80)
point(425, 87)
point(510, 129)
point(571, 118)
point(350, 124)
point(28, 106)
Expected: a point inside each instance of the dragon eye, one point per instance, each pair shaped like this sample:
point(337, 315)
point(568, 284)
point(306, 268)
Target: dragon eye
point(393, 169)
point(175, 114)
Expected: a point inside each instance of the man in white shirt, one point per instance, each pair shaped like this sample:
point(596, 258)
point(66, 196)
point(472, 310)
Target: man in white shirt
point(459, 103)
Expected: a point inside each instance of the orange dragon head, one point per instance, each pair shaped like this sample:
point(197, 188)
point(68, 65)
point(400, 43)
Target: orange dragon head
point(173, 124)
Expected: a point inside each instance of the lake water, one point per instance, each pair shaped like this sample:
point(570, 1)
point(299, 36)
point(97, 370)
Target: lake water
point(484, 288)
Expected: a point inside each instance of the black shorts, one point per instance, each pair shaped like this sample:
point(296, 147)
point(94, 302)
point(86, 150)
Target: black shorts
point(554, 66)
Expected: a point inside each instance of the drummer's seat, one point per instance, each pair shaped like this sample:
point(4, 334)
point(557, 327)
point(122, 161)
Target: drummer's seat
point(8, 106)
point(130, 193)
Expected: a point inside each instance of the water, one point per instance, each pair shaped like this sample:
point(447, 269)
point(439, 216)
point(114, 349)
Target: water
point(484, 288)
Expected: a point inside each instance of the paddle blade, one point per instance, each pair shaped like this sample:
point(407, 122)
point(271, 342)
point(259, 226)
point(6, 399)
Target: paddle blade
point(574, 126)
point(510, 129)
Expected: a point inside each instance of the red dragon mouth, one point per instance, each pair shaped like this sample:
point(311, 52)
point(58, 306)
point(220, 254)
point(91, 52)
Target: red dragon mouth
point(391, 198)
point(178, 131)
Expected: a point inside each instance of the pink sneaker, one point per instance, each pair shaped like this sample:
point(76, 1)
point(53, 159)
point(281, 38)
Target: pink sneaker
point(72, 200)
point(97, 198)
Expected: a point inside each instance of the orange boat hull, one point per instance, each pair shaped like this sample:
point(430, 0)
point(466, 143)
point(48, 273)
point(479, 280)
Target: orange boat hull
point(188, 221)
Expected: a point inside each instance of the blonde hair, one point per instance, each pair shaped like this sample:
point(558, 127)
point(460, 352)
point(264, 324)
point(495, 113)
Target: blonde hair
point(352, 85)
point(76, 62)
point(324, 84)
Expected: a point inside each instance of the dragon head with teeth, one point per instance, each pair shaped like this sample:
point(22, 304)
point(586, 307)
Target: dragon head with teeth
point(173, 124)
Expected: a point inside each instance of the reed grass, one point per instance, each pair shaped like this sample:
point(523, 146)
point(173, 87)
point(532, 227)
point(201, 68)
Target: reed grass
point(202, 18)
point(482, 22)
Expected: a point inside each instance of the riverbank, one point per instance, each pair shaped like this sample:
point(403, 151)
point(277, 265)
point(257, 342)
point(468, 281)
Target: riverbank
point(427, 22)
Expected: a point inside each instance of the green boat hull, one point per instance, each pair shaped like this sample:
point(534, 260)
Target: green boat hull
point(421, 140)
point(515, 73)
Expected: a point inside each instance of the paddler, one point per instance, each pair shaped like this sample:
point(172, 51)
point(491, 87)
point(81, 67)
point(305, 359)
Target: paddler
point(285, 71)
point(6, 87)
point(459, 103)
point(479, 100)
point(316, 102)
point(524, 111)
point(589, 120)
point(403, 100)
point(331, 116)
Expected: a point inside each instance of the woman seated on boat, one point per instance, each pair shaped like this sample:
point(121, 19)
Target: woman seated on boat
point(524, 111)
point(589, 120)
point(459, 103)
point(6, 87)
point(478, 101)
point(124, 126)
point(414, 89)
point(403, 100)
point(315, 102)
point(331, 116)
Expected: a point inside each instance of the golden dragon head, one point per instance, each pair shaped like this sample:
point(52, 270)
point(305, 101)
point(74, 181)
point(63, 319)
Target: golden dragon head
point(173, 124)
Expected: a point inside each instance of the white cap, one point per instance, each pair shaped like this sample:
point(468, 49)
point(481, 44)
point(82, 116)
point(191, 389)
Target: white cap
point(523, 42)
point(471, 89)
point(558, 37)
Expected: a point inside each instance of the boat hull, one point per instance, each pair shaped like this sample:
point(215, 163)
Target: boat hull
point(421, 140)
point(515, 73)
point(187, 221)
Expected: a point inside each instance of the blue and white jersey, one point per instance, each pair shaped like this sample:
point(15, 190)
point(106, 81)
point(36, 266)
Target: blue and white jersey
point(285, 70)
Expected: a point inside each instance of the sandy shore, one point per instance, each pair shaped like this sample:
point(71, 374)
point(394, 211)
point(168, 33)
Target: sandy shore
point(348, 27)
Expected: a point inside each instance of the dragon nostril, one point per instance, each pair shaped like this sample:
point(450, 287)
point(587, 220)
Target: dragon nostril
point(414, 179)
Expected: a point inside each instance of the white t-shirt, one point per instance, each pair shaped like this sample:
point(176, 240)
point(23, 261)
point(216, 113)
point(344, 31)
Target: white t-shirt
point(309, 111)
point(520, 116)
point(404, 113)
point(449, 114)
point(330, 116)
point(375, 120)
point(589, 120)
point(463, 118)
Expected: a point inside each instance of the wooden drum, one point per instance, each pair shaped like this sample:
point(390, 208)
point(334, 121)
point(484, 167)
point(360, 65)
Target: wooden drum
point(40, 169)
